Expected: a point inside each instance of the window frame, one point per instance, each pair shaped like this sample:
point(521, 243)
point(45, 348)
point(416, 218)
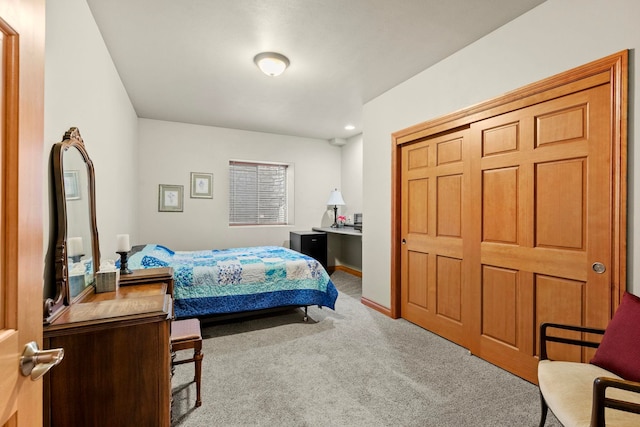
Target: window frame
point(289, 193)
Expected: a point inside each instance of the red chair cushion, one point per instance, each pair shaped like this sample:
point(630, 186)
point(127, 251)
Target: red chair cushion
point(619, 351)
point(187, 329)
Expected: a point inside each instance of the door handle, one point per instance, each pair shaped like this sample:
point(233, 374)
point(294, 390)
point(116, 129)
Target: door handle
point(37, 362)
point(404, 241)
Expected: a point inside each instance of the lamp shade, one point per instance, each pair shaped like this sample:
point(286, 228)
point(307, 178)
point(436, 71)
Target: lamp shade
point(335, 198)
point(271, 63)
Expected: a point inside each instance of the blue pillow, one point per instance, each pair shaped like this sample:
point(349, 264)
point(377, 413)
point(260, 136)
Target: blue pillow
point(151, 262)
point(151, 256)
point(164, 249)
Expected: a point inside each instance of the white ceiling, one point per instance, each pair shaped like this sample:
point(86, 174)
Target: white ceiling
point(191, 61)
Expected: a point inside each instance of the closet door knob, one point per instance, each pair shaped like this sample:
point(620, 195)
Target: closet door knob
point(404, 241)
point(598, 267)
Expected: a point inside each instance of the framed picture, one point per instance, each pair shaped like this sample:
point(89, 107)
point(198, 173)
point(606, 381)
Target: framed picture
point(170, 198)
point(71, 185)
point(201, 185)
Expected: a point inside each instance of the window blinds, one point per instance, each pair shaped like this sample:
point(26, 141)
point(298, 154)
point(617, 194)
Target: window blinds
point(257, 193)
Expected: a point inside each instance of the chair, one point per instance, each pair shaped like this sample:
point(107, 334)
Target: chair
point(185, 334)
point(577, 392)
point(588, 394)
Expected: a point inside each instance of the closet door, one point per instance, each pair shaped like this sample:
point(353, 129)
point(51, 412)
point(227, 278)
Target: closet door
point(512, 212)
point(434, 283)
point(541, 217)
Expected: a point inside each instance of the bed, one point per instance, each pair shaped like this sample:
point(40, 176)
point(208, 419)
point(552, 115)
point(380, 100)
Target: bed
point(215, 282)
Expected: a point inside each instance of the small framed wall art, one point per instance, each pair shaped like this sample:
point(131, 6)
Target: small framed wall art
point(71, 185)
point(170, 198)
point(201, 185)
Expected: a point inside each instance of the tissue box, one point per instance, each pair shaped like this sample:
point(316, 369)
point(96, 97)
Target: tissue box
point(76, 284)
point(107, 281)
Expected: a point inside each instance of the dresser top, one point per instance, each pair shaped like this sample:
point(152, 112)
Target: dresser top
point(131, 304)
point(146, 275)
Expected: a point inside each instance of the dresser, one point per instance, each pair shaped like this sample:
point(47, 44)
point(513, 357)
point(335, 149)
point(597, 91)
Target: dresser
point(116, 369)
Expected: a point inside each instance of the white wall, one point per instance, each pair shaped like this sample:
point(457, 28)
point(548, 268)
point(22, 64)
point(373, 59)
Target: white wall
point(347, 250)
point(83, 89)
point(170, 151)
point(554, 37)
point(351, 185)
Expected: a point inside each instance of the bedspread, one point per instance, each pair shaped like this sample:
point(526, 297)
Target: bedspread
point(235, 280)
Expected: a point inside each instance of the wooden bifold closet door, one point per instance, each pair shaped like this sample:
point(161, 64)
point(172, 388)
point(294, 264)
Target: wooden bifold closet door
point(514, 216)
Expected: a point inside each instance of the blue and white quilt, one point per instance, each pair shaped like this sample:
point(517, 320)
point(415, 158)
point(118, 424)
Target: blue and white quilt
point(241, 279)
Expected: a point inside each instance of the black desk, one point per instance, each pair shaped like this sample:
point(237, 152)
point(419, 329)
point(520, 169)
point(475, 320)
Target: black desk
point(312, 243)
point(348, 231)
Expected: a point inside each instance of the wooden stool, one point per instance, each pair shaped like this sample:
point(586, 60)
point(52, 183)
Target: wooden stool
point(185, 334)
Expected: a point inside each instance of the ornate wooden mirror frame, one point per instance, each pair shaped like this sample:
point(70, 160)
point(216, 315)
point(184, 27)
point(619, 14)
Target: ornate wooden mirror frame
point(77, 254)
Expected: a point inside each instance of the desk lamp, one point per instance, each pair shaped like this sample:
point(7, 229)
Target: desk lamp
point(335, 199)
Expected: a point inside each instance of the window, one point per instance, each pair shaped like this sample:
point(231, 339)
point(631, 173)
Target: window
point(258, 193)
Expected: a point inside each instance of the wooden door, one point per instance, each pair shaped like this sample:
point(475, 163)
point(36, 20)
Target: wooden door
point(541, 213)
point(512, 213)
point(21, 265)
point(435, 285)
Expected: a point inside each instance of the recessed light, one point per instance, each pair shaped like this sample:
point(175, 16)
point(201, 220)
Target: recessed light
point(349, 127)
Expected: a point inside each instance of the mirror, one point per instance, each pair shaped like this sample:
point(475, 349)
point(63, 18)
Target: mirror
point(77, 254)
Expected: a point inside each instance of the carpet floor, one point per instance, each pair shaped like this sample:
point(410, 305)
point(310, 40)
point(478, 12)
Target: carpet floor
point(348, 367)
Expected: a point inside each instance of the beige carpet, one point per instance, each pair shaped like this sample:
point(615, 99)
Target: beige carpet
point(348, 367)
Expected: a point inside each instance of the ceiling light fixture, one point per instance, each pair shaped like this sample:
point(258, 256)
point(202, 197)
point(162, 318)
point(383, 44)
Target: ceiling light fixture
point(271, 63)
point(349, 127)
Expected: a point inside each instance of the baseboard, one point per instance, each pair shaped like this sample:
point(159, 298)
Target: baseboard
point(377, 307)
point(371, 304)
point(346, 269)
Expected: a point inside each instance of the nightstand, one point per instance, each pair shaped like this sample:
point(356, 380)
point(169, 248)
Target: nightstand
point(312, 243)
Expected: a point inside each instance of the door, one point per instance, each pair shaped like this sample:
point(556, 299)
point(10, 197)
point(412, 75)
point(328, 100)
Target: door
point(434, 284)
point(21, 177)
point(512, 212)
point(542, 215)
point(504, 225)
